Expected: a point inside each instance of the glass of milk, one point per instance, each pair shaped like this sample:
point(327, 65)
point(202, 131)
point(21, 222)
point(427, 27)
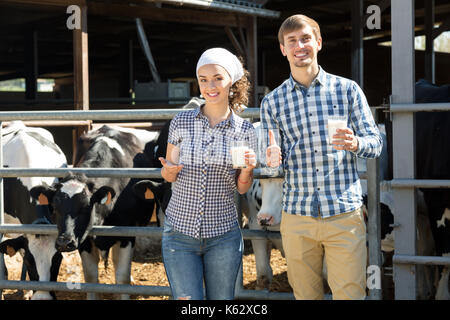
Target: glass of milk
point(238, 148)
point(334, 123)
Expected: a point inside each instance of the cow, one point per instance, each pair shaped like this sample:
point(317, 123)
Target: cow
point(28, 147)
point(433, 162)
point(433, 205)
point(79, 203)
point(262, 207)
point(155, 149)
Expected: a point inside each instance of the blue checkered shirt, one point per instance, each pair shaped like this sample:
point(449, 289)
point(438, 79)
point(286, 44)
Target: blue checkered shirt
point(202, 203)
point(319, 180)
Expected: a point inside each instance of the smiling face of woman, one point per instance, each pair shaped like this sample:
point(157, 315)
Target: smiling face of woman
point(215, 83)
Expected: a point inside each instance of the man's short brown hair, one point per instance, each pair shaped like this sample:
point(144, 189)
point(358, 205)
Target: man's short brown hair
point(295, 22)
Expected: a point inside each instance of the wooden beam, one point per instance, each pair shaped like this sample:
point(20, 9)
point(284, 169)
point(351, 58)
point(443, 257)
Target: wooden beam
point(252, 59)
point(11, 75)
point(81, 66)
point(126, 68)
point(31, 64)
point(59, 3)
point(80, 73)
point(445, 26)
point(357, 42)
point(164, 14)
point(429, 43)
point(234, 41)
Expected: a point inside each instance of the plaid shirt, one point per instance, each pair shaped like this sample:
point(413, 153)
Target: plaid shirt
point(202, 203)
point(319, 180)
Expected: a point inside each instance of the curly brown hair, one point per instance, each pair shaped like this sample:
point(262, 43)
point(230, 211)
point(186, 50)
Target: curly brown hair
point(239, 92)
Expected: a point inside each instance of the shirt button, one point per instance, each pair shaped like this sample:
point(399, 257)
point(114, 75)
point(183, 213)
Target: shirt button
point(317, 170)
point(310, 114)
point(314, 132)
point(318, 189)
point(315, 151)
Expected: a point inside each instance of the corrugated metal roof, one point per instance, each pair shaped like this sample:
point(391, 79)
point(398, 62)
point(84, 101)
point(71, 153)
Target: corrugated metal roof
point(249, 7)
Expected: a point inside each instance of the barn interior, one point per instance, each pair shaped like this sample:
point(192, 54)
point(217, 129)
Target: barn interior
point(104, 64)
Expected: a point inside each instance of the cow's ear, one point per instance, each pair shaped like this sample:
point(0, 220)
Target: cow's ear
point(90, 185)
point(147, 189)
point(104, 195)
point(11, 246)
point(37, 192)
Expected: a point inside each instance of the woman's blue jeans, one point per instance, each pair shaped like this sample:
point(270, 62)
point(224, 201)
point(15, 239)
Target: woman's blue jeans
point(189, 262)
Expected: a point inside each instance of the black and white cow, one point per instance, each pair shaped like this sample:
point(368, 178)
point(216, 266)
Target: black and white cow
point(433, 162)
point(80, 203)
point(261, 206)
point(425, 244)
point(160, 189)
point(27, 147)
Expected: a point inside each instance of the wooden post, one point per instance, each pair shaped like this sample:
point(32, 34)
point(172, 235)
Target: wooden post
point(31, 65)
point(80, 71)
point(357, 43)
point(252, 59)
point(429, 47)
point(126, 68)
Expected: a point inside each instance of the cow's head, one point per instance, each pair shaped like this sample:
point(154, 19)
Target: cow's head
point(39, 256)
point(270, 191)
point(77, 205)
point(148, 190)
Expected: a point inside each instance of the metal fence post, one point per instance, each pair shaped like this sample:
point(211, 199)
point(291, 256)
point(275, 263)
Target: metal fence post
point(403, 78)
point(2, 217)
point(374, 219)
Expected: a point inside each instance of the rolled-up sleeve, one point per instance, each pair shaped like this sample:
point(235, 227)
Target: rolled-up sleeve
point(174, 134)
point(268, 120)
point(365, 129)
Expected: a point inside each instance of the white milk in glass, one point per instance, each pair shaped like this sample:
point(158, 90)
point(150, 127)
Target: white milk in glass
point(335, 123)
point(238, 149)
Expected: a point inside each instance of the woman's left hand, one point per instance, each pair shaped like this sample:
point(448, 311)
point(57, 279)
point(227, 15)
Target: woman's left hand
point(250, 160)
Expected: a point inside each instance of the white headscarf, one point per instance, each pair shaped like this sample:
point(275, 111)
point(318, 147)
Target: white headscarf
point(223, 58)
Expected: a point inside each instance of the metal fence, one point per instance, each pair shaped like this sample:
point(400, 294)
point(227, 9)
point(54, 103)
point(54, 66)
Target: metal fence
point(405, 259)
point(153, 114)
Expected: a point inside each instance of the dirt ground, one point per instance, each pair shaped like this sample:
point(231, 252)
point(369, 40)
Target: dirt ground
point(147, 269)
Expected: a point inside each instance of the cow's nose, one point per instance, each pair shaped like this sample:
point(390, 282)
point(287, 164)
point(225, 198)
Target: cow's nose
point(65, 243)
point(265, 220)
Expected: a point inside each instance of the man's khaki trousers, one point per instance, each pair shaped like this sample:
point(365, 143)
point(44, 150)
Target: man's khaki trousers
point(342, 239)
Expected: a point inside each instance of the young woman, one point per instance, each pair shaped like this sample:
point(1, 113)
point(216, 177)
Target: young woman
point(202, 241)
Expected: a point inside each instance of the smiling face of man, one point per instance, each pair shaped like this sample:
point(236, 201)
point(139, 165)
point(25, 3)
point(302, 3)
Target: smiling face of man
point(301, 47)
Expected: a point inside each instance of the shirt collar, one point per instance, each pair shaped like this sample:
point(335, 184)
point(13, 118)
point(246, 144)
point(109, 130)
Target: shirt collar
point(231, 121)
point(319, 79)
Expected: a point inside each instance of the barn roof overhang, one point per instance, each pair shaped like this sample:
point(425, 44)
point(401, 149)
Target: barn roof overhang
point(245, 7)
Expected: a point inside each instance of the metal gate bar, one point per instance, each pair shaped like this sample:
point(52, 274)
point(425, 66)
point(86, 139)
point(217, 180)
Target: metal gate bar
point(128, 289)
point(429, 260)
point(118, 114)
point(116, 231)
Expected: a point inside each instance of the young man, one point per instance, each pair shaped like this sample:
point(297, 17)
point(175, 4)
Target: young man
point(322, 198)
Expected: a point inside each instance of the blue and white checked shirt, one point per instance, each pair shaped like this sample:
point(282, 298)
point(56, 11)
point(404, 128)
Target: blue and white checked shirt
point(202, 203)
point(319, 180)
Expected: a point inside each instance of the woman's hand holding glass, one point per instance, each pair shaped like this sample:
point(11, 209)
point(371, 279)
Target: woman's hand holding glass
point(250, 160)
